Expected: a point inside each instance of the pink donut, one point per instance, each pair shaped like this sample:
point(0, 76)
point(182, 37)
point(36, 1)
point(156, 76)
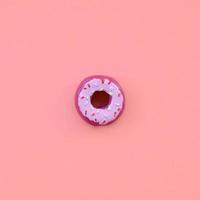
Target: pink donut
point(99, 100)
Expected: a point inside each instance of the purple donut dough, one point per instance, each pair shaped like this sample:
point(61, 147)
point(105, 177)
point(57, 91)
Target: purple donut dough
point(99, 100)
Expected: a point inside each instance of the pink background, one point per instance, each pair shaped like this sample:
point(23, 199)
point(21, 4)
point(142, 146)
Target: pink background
point(151, 47)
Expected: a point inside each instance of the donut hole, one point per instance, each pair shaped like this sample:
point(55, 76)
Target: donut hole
point(100, 99)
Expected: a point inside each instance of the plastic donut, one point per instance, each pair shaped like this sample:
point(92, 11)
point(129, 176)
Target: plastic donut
point(99, 100)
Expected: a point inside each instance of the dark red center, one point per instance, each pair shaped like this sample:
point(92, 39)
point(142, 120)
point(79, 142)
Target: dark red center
point(100, 99)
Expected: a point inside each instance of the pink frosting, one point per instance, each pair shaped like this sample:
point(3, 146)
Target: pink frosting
point(99, 116)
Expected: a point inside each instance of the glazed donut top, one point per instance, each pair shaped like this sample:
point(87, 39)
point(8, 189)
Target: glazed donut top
point(100, 116)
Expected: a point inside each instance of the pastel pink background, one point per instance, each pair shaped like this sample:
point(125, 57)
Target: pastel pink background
point(151, 47)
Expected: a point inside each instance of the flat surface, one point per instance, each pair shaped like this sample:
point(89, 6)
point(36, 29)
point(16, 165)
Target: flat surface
point(151, 47)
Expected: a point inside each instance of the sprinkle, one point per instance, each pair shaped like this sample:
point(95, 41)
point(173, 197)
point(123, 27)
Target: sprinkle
point(118, 109)
point(101, 89)
point(104, 121)
point(82, 97)
point(95, 120)
point(115, 114)
point(111, 87)
point(85, 88)
point(110, 93)
point(102, 81)
point(109, 82)
point(109, 108)
point(93, 114)
point(96, 84)
point(119, 95)
point(86, 103)
point(86, 112)
point(89, 85)
point(117, 104)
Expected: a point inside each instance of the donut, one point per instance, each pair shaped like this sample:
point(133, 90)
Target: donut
point(99, 100)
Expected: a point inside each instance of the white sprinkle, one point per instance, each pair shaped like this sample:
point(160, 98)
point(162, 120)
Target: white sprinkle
point(101, 89)
point(111, 88)
point(109, 108)
point(110, 93)
point(86, 103)
point(96, 84)
point(117, 104)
